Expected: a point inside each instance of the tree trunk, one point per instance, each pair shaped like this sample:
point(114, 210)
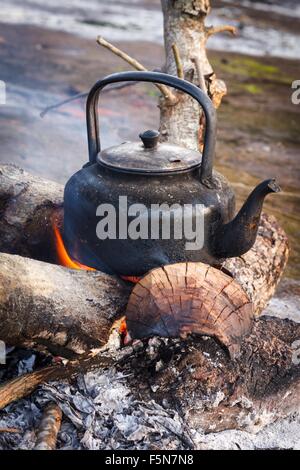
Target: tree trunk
point(184, 26)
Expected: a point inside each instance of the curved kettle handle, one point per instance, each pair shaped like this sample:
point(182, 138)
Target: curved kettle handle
point(164, 79)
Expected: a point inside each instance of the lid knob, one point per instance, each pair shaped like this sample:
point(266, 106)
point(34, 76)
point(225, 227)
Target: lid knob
point(150, 139)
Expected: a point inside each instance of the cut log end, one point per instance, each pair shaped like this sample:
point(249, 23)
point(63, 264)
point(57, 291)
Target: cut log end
point(187, 298)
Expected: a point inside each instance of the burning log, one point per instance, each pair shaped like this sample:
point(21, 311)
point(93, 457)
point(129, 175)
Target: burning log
point(49, 428)
point(29, 205)
point(63, 309)
point(211, 391)
point(74, 310)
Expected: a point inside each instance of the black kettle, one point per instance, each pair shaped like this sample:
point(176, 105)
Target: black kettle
point(140, 205)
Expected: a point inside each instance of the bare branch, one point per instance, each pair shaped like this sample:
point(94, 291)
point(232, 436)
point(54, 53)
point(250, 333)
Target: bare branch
point(24, 385)
point(178, 62)
point(61, 103)
point(200, 75)
point(220, 29)
point(168, 95)
point(79, 96)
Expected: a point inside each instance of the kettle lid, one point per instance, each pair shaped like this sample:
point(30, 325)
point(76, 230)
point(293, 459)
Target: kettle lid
point(149, 156)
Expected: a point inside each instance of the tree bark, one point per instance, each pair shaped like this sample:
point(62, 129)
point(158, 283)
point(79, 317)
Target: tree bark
point(63, 309)
point(28, 206)
point(184, 26)
point(211, 391)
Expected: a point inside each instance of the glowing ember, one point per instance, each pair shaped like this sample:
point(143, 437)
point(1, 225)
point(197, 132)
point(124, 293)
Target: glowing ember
point(62, 254)
point(121, 328)
point(133, 279)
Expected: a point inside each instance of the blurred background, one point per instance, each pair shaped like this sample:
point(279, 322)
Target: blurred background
point(48, 53)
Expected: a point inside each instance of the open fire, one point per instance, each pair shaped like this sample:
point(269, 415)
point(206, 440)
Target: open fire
point(62, 255)
point(64, 258)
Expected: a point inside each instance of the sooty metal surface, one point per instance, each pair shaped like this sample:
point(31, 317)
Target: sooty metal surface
point(153, 173)
point(134, 157)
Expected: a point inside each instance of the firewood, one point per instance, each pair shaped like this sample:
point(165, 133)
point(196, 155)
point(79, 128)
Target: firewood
point(185, 298)
point(213, 392)
point(74, 310)
point(28, 205)
point(24, 385)
point(63, 309)
point(49, 427)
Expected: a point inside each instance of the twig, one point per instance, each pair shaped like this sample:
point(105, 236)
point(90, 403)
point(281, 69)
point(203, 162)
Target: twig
point(201, 78)
point(49, 428)
point(178, 62)
point(169, 96)
point(24, 385)
point(118, 86)
point(220, 29)
point(10, 430)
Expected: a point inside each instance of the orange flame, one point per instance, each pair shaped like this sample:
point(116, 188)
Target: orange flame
point(120, 327)
point(62, 254)
point(123, 326)
point(65, 260)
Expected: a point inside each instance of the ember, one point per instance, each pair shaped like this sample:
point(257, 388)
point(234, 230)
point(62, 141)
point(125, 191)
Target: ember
point(133, 279)
point(121, 327)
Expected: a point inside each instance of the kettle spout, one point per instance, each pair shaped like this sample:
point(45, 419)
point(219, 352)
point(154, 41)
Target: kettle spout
point(237, 236)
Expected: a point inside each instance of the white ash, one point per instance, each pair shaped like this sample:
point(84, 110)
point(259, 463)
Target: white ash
point(104, 415)
point(101, 413)
point(286, 302)
point(26, 365)
point(23, 415)
point(284, 434)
